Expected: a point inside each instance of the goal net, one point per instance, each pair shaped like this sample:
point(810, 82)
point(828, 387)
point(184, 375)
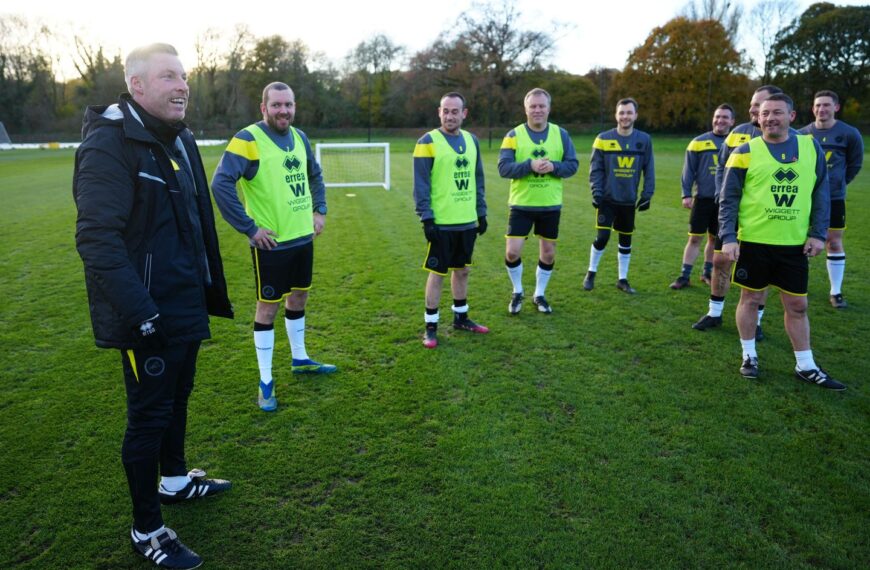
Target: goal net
point(354, 165)
point(5, 141)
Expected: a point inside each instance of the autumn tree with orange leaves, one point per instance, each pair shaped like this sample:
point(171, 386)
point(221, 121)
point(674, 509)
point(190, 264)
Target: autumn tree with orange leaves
point(682, 71)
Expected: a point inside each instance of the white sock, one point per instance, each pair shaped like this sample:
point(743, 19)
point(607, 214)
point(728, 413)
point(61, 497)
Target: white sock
point(594, 258)
point(748, 348)
point(296, 334)
point(141, 536)
point(715, 308)
point(542, 277)
point(836, 268)
point(516, 276)
point(804, 360)
point(431, 318)
point(176, 483)
point(623, 259)
point(264, 342)
point(760, 314)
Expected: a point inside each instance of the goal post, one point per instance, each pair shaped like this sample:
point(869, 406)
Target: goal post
point(354, 165)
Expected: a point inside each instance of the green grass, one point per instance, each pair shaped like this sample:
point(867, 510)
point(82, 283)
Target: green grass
point(606, 435)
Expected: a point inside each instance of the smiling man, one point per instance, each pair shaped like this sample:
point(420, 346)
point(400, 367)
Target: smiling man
point(775, 201)
point(146, 234)
point(844, 152)
point(536, 156)
point(449, 196)
point(699, 174)
point(720, 281)
point(620, 157)
point(284, 210)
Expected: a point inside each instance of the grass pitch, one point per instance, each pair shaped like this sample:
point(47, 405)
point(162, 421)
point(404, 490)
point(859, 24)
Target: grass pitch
point(608, 434)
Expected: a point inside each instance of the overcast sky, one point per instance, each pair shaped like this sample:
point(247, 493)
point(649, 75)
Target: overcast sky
point(589, 34)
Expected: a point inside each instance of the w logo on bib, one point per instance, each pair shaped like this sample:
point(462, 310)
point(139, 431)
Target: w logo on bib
point(625, 161)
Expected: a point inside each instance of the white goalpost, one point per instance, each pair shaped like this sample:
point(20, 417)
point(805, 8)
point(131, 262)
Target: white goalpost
point(354, 165)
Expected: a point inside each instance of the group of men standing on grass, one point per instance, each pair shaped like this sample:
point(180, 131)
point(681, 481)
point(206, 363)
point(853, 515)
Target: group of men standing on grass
point(146, 235)
point(767, 196)
point(536, 156)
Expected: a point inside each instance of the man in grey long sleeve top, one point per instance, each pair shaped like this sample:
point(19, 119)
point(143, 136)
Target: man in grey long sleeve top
point(619, 157)
point(699, 174)
point(449, 197)
point(775, 200)
point(844, 152)
point(285, 208)
point(720, 281)
point(536, 156)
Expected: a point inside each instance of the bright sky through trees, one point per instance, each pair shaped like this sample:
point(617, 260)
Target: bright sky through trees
point(589, 34)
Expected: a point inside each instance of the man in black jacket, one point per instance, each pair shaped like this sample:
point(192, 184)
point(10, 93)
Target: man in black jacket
point(146, 235)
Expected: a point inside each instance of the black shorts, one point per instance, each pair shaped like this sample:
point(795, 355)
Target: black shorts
point(546, 223)
point(838, 215)
point(615, 216)
point(277, 273)
point(704, 218)
point(783, 266)
point(452, 250)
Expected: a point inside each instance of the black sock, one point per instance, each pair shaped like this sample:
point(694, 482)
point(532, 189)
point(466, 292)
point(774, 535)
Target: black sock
point(708, 268)
point(687, 270)
point(458, 303)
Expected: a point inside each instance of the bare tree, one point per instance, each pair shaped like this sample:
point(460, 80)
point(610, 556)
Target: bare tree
point(372, 62)
point(378, 54)
point(766, 19)
point(101, 78)
point(726, 12)
point(499, 41)
point(233, 97)
point(92, 64)
point(209, 46)
point(29, 94)
point(502, 49)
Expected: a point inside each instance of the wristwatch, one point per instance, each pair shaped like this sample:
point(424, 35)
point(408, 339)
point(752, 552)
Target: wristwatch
point(320, 210)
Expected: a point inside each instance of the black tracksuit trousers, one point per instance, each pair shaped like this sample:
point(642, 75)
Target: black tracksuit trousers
point(158, 383)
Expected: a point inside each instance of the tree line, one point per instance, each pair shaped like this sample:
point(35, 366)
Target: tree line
point(679, 74)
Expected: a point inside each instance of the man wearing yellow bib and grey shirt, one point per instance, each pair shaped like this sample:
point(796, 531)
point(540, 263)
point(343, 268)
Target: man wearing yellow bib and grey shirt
point(285, 208)
point(536, 156)
point(449, 197)
point(775, 200)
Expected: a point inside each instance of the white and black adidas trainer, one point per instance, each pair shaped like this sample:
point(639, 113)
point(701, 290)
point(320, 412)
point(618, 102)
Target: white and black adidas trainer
point(198, 487)
point(166, 551)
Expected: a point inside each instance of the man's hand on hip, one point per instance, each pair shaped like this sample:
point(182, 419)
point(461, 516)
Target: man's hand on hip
point(263, 239)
